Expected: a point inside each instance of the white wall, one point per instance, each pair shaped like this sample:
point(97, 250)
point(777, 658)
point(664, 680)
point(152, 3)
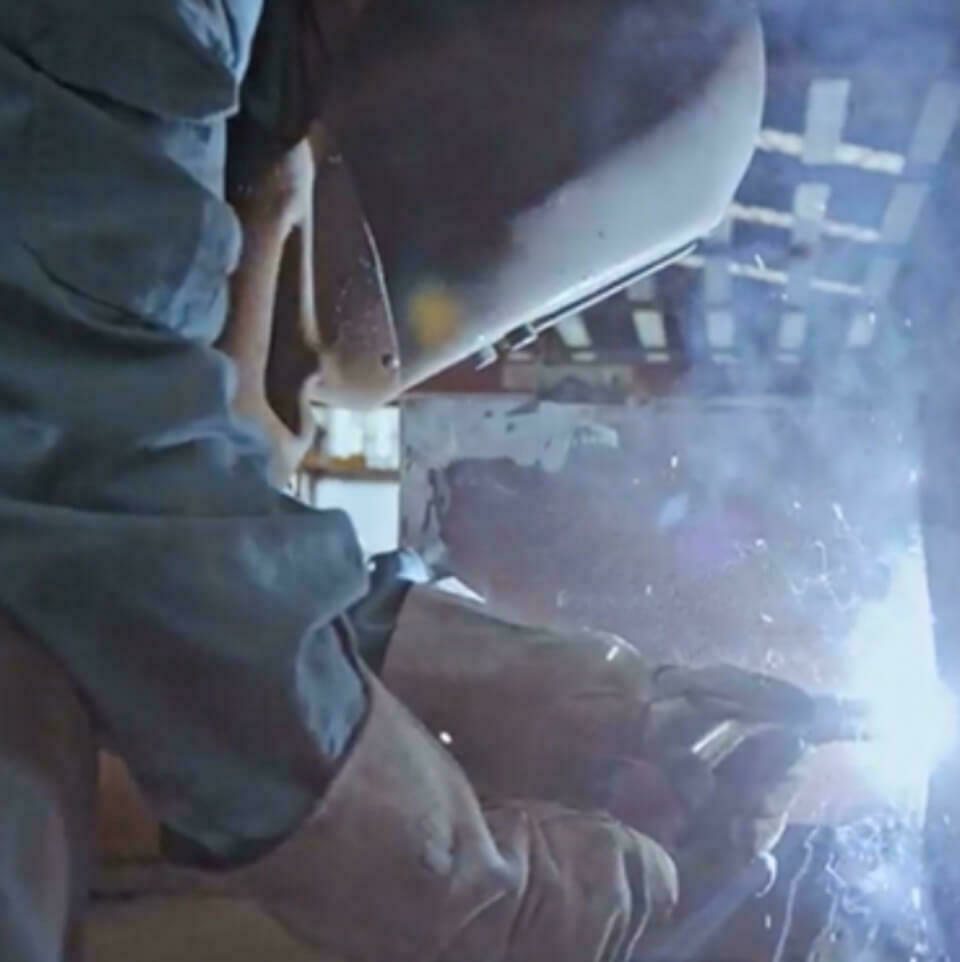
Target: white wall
point(374, 507)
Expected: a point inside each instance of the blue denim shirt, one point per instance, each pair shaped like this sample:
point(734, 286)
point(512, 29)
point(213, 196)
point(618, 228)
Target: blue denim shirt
point(139, 539)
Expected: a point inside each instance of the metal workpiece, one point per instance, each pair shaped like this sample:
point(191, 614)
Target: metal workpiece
point(760, 535)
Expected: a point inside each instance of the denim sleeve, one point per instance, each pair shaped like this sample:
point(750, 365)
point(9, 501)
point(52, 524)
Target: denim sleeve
point(140, 542)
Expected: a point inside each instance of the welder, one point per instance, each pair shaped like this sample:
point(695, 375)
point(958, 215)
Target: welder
point(392, 774)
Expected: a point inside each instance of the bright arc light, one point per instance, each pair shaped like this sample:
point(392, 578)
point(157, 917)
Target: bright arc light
point(914, 717)
point(915, 725)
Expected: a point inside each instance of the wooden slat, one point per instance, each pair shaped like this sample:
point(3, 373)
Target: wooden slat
point(826, 118)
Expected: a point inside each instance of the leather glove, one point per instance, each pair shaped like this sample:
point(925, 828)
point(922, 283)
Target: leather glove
point(528, 712)
point(581, 718)
point(401, 861)
point(730, 743)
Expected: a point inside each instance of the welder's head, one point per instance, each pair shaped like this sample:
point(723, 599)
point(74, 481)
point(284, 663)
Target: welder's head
point(514, 161)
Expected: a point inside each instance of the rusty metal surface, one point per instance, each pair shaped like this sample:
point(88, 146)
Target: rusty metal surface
point(780, 537)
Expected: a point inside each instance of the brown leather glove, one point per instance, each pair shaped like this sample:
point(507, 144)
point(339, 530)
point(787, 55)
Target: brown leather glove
point(401, 862)
point(528, 712)
point(730, 743)
point(581, 718)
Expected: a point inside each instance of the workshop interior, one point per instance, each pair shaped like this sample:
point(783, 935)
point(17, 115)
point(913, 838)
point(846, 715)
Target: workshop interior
point(738, 446)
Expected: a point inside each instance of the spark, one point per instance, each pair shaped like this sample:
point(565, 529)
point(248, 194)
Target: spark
point(797, 506)
point(766, 619)
point(822, 580)
point(792, 891)
point(675, 462)
point(446, 738)
point(914, 476)
point(839, 880)
point(774, 660)
point(740, 551)
point(830, 931)
point(760, 544)
point(613, 652)
point(696, 262)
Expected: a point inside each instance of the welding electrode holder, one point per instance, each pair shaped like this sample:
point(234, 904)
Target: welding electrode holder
point(723, 735)
point(709, 713)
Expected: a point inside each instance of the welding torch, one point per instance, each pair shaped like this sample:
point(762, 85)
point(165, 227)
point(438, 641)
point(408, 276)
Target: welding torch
point(829, 719)
point(709, 713)
point(755, 706)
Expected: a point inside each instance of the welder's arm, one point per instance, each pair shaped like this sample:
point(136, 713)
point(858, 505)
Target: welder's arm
point(401, 860)
point(271, 215)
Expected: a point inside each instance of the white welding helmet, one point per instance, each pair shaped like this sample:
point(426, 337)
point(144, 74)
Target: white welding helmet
point(514, 162)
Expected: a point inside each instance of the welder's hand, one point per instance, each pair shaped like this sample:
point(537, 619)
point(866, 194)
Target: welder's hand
point(745, 818)
point(730, 742)
point(748, 809)
point(269, 211)
point(288, 448)
point(284, 194)
point(717, 813)
point(581, 718)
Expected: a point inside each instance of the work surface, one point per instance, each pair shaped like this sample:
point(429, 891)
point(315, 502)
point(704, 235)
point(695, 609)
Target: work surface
point(173, 929)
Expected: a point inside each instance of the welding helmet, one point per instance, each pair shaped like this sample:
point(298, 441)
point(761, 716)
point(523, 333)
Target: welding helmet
point(500, 164)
